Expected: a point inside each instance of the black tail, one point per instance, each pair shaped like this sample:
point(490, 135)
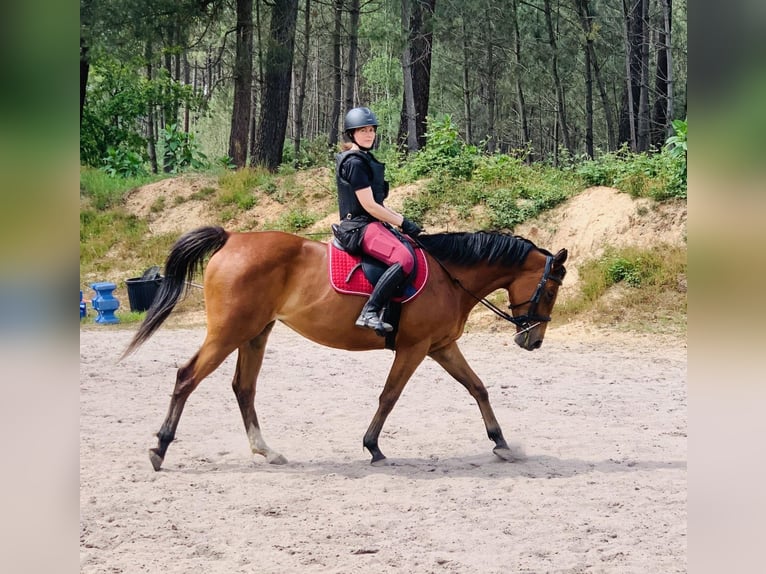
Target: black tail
point(185, 259)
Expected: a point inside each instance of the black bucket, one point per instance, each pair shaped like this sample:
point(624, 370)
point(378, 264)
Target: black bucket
point(142, 290)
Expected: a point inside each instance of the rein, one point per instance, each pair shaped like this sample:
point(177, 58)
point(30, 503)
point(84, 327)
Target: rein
point(525, 322)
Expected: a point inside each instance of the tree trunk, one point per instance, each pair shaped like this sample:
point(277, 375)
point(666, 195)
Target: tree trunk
point(466, 85)
point(258, 82)
point(562, 123)
point(586, 23)
point(668, 18)
point(243, 78)
point(422, 24)
point(187, 82)
point(337, 74)
point(608, 116)
point(520, 103)
point(301, 95)
point(661, 118)
point(275, 107)
point(491, 87)
point(588, 104)
point(151, 135)
point(410, 114)
point(644, 110)
point(633, 39)
point(84, 71)
point(353, 50)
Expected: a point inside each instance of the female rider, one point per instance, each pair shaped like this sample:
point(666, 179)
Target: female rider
point(361, 191)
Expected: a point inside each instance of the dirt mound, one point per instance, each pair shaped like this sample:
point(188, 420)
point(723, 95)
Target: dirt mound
point(586, 224)
point(174, 205)
point(600, 217)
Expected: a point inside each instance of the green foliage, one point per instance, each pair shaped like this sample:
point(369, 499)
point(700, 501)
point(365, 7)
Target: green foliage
point(238, 188)
point(445, 152)
point(293, 221)
point(658, 268)
point(654, 295)
point(225, 162)
point(158, 205)
point(117, 103)
point(661, 176)
point(511, 190)
point(621, 269)
point(101, 231)
point(676, 144)
point(313, 153)
point(105, 191)
point(125, 315)
point(676, 150)
point(181, 150)
point(203, 193)
point(123, 162)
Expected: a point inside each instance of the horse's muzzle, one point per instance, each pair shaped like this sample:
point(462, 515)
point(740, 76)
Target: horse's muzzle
point(528, 340)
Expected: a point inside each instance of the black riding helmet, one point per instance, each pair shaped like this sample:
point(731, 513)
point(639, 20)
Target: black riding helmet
point(358, 118)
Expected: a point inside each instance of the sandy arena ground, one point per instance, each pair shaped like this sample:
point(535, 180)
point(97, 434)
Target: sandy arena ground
point(602, 419)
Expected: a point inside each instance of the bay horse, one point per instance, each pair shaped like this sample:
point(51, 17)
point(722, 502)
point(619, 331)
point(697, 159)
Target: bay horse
point(253, 279)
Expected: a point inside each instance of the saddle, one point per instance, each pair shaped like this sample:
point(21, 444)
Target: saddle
point(358, 274)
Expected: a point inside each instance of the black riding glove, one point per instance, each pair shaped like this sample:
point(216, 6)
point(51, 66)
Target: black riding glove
point(411, 228)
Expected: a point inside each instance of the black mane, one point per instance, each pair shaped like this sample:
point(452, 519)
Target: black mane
point(464, 248)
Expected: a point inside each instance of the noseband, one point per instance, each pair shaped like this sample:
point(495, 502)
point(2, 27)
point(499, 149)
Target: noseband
point(531, 315)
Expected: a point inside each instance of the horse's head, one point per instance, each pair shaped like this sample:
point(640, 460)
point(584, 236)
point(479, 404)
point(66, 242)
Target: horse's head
point(532, 295)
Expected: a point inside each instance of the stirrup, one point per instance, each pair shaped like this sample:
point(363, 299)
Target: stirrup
point(372, 321)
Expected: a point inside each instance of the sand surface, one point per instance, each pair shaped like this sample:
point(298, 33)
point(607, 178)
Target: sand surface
point(601, 418)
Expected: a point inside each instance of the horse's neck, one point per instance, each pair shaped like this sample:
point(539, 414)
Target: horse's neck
point(481, 280)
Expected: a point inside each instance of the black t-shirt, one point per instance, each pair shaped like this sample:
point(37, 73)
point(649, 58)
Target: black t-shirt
point(356, 172)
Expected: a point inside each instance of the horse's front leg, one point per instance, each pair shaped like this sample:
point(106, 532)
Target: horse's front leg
point(249, 361)
point(405, 363)
point(452, 360)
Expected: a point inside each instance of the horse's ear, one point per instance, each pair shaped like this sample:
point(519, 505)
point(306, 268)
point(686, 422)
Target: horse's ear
point(560, 257)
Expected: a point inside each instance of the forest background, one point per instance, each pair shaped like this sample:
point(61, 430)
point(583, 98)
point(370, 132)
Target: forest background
point(167, 84)
point(490, 113)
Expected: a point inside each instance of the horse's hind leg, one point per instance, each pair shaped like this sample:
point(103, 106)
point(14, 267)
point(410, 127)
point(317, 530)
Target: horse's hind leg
point(452, 360)
point(249, 364)
point(204, 362)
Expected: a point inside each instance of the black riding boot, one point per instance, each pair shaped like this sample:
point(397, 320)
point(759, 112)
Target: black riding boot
point(371, 312)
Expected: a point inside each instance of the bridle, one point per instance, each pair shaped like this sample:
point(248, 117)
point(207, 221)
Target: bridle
point(523, 321)
point(528, 320)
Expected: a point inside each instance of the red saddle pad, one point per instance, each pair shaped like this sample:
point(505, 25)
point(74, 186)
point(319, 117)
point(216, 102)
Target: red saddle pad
point(346, 275)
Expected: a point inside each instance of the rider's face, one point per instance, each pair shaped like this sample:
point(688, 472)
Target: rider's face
point(365, 136)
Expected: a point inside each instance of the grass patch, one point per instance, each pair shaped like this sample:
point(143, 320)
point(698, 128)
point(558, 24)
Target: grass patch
point(126, 317)
point(641, 289)
point(512, 192)
point(203, 193)
point(292, 221)
point(658, 175)
point(102, 231)
point(105, 191)
point(158, 206)
point(238, 189)
point(116, 236)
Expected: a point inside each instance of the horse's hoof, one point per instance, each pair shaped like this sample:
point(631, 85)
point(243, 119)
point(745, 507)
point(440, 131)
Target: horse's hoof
point(276, 459)
point(155, 458)
point(510, 454)
point(383, 461)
